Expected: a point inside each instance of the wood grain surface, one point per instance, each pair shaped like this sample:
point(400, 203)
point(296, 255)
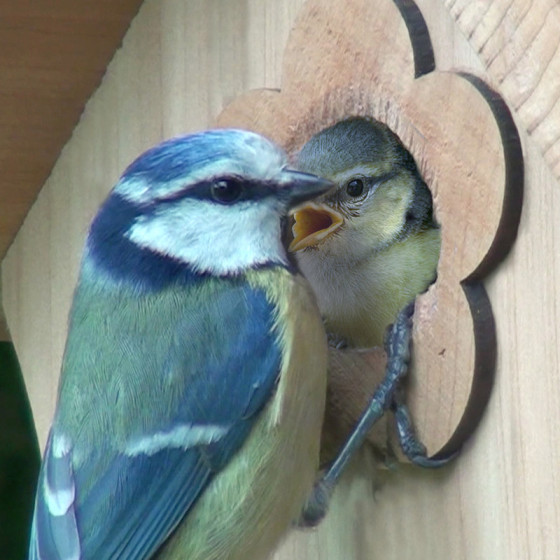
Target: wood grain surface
point(181, 64)
point(52, 55)
point(329, 75)
point(519, 44)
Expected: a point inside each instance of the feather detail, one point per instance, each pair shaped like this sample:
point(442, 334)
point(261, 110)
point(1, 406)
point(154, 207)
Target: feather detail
point(297, 326)
point(54, 532)
point(183, 436)
point(246, 508)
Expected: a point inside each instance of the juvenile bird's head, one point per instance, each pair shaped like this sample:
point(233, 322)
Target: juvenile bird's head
point(370, 245)
point(210, 203)
point(380, 197)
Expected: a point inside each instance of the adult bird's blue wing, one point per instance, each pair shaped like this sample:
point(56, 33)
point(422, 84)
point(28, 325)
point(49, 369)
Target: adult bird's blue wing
point(117, 489)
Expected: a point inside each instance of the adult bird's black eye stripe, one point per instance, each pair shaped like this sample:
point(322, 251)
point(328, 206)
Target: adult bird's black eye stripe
point(226, 191)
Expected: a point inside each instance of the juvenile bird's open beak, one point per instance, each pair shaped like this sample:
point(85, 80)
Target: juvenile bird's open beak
point(313, 223)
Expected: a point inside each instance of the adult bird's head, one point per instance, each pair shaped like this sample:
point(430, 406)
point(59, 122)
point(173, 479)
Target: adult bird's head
point(210, 203)
point(361, 244)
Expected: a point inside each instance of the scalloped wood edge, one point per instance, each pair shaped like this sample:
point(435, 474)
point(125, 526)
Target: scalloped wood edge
point(477, 187)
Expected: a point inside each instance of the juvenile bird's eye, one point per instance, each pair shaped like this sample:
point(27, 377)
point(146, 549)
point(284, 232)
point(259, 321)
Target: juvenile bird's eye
point(226, 191)
point(355, 187)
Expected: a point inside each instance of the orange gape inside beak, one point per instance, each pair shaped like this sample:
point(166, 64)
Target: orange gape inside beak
point(313, 223)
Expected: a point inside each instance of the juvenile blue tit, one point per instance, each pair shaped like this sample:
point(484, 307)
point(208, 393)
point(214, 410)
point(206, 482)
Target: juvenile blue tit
point(369, 247)
point(193, 381)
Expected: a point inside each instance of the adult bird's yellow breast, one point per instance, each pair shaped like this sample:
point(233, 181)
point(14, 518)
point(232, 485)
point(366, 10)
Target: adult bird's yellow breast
point(269, 479)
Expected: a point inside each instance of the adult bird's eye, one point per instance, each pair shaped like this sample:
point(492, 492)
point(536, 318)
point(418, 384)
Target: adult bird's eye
point(355, 187)
point(226, 191)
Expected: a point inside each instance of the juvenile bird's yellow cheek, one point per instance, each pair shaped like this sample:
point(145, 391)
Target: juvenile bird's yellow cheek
point(380, 228)
point(313, 223)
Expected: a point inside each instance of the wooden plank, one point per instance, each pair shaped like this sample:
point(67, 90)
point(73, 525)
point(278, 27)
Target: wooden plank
point(499, 500)
point(519, 44)
point(329, 76)
point(52, 55)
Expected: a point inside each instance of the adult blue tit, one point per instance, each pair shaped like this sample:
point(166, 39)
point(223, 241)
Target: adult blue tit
point(193, 380)
point(369, 247)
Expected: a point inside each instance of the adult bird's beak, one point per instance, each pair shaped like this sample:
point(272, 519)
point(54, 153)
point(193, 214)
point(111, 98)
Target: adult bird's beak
point(313, 223)
point(301, 187)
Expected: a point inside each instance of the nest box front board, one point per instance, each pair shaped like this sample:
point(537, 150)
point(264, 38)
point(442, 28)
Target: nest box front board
point(375, 59)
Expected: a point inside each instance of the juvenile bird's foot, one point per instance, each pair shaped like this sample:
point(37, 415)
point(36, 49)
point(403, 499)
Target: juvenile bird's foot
point(317, 505)
point(411, 446)
point(388, 395)
point(397, 345)
point(336, 341)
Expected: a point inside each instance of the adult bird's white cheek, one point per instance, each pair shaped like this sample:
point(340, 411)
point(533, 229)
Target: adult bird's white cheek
point(211, 237)
point(313, 224)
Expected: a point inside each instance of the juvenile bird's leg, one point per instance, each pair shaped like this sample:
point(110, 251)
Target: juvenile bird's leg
point(389, 395)
point(398, 355)
point(411, 446)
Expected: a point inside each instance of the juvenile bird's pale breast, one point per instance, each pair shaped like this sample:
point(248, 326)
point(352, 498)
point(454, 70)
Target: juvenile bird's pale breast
point(359, 300)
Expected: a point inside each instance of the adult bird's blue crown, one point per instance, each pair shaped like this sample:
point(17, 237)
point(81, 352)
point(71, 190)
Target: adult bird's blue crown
point(193, 381)
point(208, 203)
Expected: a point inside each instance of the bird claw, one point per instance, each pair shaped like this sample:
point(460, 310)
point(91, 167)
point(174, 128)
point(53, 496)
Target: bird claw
point(411, 446)
point(388, 395)
point(317, 505)
point(399, 334)
point(335, 341)
point(397, 344)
